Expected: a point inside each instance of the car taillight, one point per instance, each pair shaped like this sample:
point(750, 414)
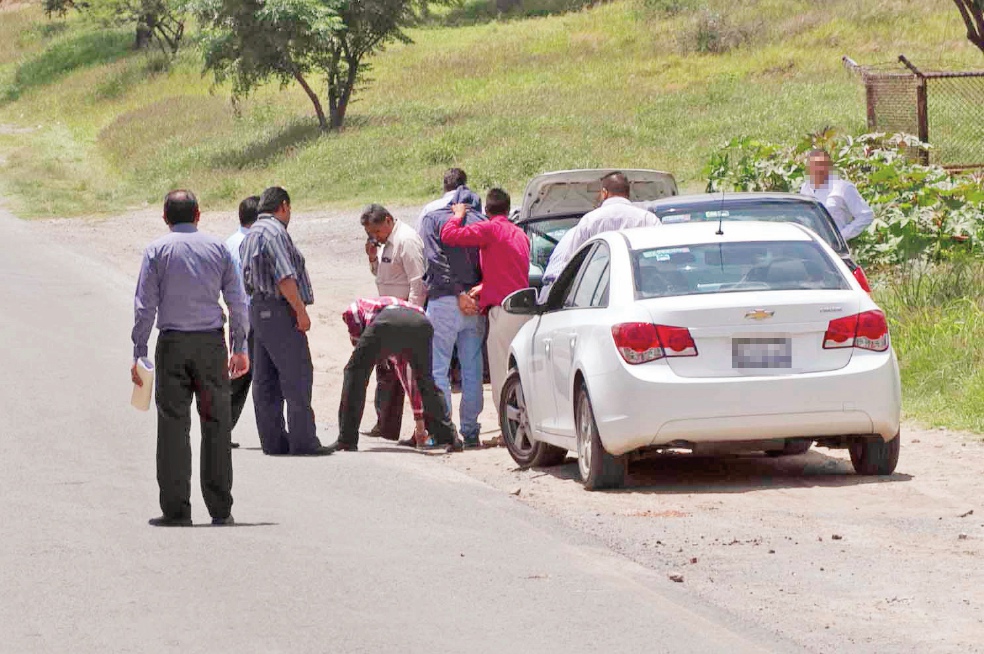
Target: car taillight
point(641, 342)
point(867, 331)
point(862, 279)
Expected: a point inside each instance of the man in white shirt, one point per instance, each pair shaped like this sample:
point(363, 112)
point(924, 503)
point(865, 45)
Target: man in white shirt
point(396, 259)
point(615, 213)
point(849, 210)
point(453, 178)
point(240, 386)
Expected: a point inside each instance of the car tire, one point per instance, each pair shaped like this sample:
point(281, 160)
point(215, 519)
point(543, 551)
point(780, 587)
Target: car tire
point(515, 426)
point(792, 448)
point(599, 469)
point(873, 456)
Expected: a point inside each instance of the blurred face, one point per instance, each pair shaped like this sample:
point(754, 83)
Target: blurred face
point(380, 232)
point(819, 167)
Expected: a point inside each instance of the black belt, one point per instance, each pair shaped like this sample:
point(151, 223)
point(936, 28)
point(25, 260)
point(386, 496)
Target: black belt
point(167, 332)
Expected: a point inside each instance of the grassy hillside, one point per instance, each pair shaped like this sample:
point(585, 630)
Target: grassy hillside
point(645, 83)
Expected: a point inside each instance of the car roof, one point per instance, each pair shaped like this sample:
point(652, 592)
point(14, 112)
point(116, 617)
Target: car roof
point(706, 232)
point(703, 198)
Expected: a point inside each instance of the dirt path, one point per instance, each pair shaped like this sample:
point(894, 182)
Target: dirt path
point(834, 561)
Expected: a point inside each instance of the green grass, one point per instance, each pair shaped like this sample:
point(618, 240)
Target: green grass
point(937, 325)
point(644, 83)
point(641, 83)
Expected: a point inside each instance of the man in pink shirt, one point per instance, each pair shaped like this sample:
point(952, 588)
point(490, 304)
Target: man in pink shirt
point(505, 262)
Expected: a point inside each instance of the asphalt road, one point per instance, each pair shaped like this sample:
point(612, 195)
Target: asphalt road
point(359, 552)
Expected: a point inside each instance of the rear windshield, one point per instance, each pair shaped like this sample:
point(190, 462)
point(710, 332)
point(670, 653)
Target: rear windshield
point(806, 214)
point(544, 236)
point(734, 267)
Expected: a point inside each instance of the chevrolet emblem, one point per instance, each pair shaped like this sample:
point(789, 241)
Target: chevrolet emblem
point(759, 314)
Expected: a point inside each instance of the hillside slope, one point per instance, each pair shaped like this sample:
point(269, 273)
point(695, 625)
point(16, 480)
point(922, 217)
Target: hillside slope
point(90, 127)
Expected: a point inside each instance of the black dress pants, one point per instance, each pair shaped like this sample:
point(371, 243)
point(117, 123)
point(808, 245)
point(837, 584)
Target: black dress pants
point(240, 385)
point(283, 376)
point(193, 365)
point(395, 331)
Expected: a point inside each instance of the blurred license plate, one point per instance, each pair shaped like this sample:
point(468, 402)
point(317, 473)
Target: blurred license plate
point(761, 353)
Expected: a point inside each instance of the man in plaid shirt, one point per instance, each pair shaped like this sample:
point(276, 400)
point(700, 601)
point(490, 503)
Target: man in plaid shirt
point(388, 328)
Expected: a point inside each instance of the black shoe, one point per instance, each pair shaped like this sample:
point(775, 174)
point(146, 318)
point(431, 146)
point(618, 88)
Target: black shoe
point(407, 442)
point(227, 521)
point(338, 446)
point(234, 445)
point(165, 521)
point(455, 446)
point(321, 450)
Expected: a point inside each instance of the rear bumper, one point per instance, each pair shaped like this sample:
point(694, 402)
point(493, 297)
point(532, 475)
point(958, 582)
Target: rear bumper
point(648, 405)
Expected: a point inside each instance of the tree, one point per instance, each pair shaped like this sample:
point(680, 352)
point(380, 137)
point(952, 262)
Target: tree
point(160, 21)
point(249, 42)
point(972, 12)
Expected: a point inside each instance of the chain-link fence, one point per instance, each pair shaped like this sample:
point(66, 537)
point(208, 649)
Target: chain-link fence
point(943, 109)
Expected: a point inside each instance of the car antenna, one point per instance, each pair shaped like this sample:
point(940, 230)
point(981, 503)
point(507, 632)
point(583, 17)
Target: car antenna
point(720, 231)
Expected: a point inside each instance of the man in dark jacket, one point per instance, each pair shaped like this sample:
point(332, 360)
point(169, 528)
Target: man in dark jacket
point(450, 274)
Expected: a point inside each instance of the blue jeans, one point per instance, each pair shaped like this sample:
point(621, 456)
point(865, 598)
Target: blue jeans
point(451, 327)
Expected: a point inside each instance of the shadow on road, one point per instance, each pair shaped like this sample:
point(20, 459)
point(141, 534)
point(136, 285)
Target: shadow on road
point(239, 524)
point(684, 473)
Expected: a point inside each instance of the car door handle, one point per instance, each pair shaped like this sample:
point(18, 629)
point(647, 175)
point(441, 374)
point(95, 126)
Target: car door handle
point(546, 347)
point(573, 340)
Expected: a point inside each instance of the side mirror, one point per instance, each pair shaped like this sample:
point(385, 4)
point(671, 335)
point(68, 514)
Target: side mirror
point(536, 276)
point(523, 303)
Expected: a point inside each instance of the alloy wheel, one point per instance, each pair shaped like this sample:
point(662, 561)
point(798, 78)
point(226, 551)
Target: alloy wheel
point(517, 420)
point(585, 434)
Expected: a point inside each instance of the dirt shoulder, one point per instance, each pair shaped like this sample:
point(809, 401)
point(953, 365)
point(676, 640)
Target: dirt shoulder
point(802, 545)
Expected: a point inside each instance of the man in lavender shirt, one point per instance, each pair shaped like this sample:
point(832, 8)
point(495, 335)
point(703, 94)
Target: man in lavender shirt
point(181, 277)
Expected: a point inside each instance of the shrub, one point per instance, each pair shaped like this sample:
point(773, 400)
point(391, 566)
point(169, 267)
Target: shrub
point(670, 7)
point(921, 212)
point(714, 33)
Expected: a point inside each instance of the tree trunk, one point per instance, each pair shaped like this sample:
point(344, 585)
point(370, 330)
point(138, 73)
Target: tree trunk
point(345, 93)
point(143, 36)
point(973, 18)
point(314, 100)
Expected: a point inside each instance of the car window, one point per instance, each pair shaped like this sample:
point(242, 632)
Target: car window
point(544, 236)
point(566, 282)
point(592, 287)
point(735, 267)
point(808, 214)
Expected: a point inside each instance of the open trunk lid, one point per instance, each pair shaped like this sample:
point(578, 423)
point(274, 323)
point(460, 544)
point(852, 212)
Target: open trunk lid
point(569, 192)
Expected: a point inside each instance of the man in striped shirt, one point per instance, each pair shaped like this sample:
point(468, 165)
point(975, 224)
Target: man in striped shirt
point(389, 328)
point(277, 281)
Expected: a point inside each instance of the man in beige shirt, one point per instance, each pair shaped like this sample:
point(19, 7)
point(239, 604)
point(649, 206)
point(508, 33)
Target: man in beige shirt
point(396, 258)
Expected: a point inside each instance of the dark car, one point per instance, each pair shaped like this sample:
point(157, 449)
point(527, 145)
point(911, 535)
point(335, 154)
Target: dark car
point(766, 207)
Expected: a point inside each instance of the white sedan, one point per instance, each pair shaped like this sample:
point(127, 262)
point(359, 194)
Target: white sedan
point(743, 336)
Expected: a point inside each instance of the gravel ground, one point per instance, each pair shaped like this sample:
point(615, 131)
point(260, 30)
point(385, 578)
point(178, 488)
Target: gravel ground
point(801, 545)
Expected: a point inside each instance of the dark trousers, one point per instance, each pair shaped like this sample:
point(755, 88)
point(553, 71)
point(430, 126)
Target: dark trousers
point(193, 364)
point(389, 401)
point(395, 331)
point(240, 386)
point(283, 375)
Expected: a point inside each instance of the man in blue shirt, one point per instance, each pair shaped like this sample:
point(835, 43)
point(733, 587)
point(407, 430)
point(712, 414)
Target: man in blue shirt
point(248, 211)
point(181, 277)
point(451, 272)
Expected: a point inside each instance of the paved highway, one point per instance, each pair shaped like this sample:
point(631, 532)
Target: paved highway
point(373, 551)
